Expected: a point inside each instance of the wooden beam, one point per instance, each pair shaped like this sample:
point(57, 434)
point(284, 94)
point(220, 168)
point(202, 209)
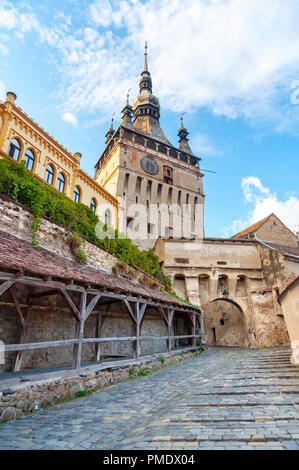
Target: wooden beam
point(72, 306)
point(18, 307)
point(33, 346)
point(138, 321)
point(18, 360)
point(70, 342)
point(164, 315)
point(5, 286)
point(193, 330)
point(100, 320)
point(170, 314)
point(129, 308)
point(111, 339)
point(92, 304)
point(77, 353)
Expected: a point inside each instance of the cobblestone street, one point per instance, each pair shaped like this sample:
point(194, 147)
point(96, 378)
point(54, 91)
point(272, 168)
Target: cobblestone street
point(224, 399)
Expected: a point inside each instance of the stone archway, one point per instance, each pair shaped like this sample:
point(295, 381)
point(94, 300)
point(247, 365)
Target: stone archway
point(225, 323)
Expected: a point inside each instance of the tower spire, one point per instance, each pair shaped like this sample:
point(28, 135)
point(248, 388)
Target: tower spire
point(145, 82)
point(145, 66)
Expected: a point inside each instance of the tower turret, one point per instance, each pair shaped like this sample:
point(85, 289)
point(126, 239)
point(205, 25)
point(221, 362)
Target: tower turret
point(127, 114)
point(110, 132)
point(183, 138)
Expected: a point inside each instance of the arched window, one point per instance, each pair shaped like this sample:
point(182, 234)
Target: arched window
point(14, 149)
point(93, 205)
point(49, 176)
point(61, 182)
point(107, 217)
point(77, 194)
point(29, 159)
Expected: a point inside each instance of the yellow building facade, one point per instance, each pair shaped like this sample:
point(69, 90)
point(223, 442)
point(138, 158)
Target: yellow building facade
point(23, 139)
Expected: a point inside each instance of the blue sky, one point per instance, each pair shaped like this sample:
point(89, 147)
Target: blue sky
point(232, 66)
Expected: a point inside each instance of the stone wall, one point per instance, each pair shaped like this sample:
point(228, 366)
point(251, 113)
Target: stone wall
point(290, 305)
point(273, 230)
point(18, 400)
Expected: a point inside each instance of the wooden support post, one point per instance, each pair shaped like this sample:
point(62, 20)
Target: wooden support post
point(137, 342)
point(169, 323)
point(97, 349)
point(77, 353)
point(24, 322)
point(193, 317)
point(200, 330)
point(100, 320)
point(5, 286)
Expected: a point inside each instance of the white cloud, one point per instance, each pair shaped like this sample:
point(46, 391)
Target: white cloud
point(263, 203)
point(233, 57)
point(71, 118)
point(201, 145)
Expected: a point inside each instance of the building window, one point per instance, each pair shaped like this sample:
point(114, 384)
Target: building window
point(93, 205)
point(29, 159)
point(77, 194)
point(168, 175)
point(49, 176)
point(150, 228)
point(159, 191)
point(130, 221)
point(61, 182)
point(107, 217)
point(14, 149)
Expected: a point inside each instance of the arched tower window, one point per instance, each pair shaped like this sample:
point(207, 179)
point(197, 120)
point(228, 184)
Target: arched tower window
point(107, 217)
point(61, 182)
point(93, 205)
point(29, 159)
point(14, 149)
point(49, 175)
point(77, 194)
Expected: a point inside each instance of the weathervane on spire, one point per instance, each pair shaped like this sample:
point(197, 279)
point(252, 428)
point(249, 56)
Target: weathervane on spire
point(182, 124)
point(128, 95)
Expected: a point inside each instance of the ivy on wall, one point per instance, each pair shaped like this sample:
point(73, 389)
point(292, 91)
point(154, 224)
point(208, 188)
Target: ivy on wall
point(21, 186)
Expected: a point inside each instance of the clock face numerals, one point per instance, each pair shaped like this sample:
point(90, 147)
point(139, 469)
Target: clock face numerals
point(149, 165)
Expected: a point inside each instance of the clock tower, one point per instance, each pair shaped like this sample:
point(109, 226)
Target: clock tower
point(155, 182)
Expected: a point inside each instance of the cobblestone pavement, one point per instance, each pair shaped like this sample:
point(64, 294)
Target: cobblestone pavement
point(228, 398)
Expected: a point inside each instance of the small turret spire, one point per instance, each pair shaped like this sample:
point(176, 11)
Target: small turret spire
point(110, 131)
point(127, 112)
point(183, 137)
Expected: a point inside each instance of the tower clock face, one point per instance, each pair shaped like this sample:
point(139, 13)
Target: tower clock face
point(149, 165)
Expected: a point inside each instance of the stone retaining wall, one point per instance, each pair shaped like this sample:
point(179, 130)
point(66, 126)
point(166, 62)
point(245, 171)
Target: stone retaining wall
point(36, 394)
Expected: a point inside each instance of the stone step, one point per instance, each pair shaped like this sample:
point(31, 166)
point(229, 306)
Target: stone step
point(257, 392)
point(239, 404)
point(213, 439)
point(231, 420)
